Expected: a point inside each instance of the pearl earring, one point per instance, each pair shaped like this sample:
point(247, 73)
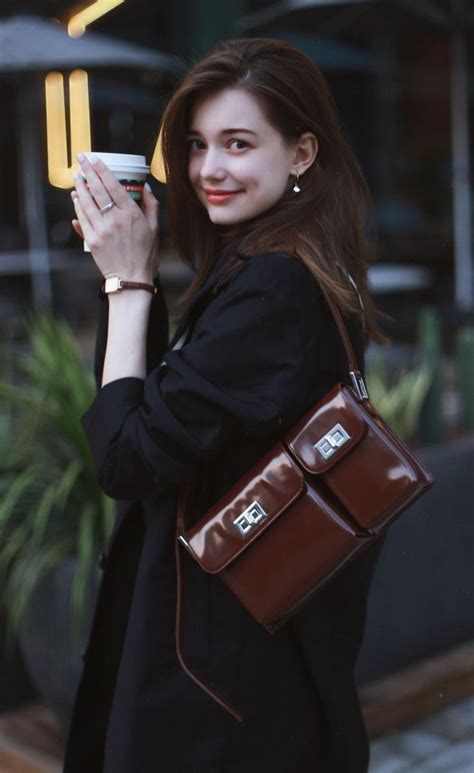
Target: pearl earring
point(296, 187)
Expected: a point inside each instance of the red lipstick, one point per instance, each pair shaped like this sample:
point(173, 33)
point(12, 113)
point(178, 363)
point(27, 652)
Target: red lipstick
point(217, 196)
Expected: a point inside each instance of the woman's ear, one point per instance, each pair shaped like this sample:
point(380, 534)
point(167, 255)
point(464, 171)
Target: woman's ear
point(306, 150)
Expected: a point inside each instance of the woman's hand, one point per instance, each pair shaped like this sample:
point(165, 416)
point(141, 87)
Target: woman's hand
point(124, 240)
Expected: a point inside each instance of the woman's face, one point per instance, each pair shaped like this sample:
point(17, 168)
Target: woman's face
point(238, 163)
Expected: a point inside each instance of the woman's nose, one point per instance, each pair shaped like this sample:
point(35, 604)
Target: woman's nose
point(212, 167)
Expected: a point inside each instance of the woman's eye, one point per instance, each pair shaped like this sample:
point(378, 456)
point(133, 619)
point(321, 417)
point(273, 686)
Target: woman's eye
point(239, 144)
point(195, 144)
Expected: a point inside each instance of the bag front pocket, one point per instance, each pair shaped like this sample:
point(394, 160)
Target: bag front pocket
point(295, 558)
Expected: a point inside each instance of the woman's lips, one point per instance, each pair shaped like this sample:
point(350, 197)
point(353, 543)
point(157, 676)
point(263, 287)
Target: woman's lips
point(220, 197)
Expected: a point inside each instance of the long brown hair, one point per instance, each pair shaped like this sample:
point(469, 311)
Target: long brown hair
point(323, 225)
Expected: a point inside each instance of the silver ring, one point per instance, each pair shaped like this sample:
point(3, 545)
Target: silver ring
point(107, 207)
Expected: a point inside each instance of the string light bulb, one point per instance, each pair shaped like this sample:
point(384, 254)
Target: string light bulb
point(60, 171)
point(77, 24)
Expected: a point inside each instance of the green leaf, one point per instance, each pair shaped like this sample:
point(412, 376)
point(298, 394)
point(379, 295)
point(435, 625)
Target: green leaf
point(86, 552)
point(13, 551)
point(399, 399)
point(108, 514)
point(26, 575)
point(41, 515)
point(50, 501)
point(14, 493)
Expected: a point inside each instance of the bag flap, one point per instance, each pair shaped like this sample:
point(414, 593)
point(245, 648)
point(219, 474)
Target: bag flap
point(328, 431)
point(247, 509)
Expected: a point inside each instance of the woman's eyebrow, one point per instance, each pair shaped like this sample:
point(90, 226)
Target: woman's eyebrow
point(227, 131)
point(232, 131)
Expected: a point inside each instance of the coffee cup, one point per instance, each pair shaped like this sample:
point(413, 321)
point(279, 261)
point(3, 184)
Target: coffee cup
point(130, 170)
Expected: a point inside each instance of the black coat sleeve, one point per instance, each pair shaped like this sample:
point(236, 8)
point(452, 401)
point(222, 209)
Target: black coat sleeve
point(243, 366)
point(157, 334)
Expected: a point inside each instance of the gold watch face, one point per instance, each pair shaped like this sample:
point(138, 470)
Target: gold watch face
point(113, 284)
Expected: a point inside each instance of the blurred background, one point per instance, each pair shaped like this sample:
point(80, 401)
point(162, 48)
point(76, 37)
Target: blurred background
point(402, 77)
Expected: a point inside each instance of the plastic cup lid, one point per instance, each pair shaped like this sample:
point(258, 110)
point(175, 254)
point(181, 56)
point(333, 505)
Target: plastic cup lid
point(123, 162)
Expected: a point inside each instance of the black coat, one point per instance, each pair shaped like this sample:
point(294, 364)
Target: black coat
point(263, 349)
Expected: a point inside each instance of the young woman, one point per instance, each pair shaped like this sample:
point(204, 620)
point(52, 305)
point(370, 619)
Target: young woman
point(267, 202)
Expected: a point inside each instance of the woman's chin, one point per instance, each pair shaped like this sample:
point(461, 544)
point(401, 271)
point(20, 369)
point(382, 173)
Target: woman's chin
point(225, 218)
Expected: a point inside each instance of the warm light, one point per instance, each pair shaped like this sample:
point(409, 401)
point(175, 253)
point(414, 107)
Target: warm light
point(59, 170)
point(157, 166)
point(78, 23)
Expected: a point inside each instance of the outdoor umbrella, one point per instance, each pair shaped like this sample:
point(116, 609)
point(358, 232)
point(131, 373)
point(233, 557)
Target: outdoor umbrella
point(331, 55)
point(28, 45)
point(32, 43)
point(352, 19)
point(361, 21)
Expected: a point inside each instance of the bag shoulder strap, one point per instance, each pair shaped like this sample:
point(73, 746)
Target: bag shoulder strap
point(184, 504)
point(355, 374)
point(342, 329)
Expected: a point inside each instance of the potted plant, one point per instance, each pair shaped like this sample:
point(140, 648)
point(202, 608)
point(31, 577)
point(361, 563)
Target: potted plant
point(16, 683)
point(398, 396)
point(420, 602)
point(54, 519)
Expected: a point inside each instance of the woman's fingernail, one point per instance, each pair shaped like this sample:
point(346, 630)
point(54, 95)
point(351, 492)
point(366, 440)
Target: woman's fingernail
point(94, 159)
point(147, 187)
point(81, 157)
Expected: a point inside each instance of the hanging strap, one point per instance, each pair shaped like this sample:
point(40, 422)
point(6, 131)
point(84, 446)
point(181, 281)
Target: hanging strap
point(184, 504)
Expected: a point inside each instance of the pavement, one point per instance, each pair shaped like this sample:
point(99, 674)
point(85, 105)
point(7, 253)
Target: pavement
point(440, 743)
point(30, 741)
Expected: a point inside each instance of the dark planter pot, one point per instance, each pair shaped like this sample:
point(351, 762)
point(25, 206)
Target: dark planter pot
point(51, 651)
point(16, 686)
point(421, 600)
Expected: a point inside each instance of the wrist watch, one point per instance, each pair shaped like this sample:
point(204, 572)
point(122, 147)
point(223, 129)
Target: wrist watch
point(115, 284)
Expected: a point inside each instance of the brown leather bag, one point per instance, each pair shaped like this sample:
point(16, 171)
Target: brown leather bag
point(324, 492)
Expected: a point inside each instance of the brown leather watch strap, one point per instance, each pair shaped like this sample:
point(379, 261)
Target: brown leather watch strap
point(125, 285)
point(139, 286)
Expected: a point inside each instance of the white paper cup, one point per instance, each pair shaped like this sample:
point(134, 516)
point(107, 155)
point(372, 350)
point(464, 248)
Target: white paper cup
point(130, 170)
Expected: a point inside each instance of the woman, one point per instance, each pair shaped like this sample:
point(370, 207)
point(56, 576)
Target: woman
point(267, 202)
